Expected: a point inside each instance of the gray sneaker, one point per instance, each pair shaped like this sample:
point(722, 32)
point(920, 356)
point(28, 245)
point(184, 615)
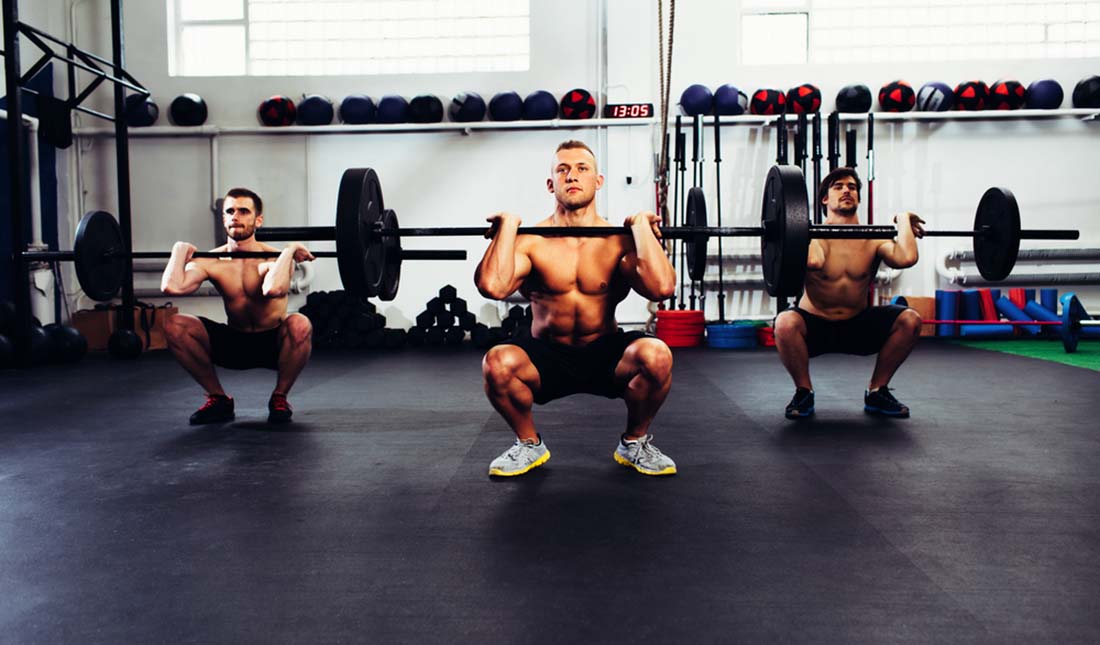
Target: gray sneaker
point(521, 457)
point(644, 457)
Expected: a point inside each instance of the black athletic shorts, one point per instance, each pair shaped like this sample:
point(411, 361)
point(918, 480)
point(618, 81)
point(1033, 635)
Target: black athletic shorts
point(862, 334)
point(566, 369)
point(242, 350)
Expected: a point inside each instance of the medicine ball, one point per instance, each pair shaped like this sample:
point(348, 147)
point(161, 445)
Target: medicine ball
point(506, 106)
point(1006, 94)
point(1086, 94)
point(730, 101)
point(897, 96)
point(357, 109)
point(540, 105)
point(277, 111)
point(41, 346)
point(393, 109)
point(696, 99)
point(804, 99)
point(935, 97)
point(141, 111)
point(971, 95)
point(187, 110)
point(768, 101)
point(315, 109)
point(578, 104)
point(467, 107)
point(425, 108)
point(1044, 94)
point(853, 99)
point(67, 345)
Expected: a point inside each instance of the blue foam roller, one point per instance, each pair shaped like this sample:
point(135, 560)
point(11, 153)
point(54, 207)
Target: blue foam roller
point(947, 308)
point(1029, 295)
point(996, 293)
point(985, 331)
point(1049, 299)
point(1006, 308)
point(971, 306)
point(1039, 312)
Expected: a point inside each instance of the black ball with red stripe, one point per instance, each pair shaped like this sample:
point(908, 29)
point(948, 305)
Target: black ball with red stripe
point(277, 110)
point(804, 99)
point(766, 101)
point(578, 104)
point(1007, 94)
point(897, 96)
point(971, 95)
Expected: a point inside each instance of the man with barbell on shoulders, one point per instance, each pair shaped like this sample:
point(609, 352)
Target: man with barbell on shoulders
point(259, 332)
point(833, 314)
point(575, 344)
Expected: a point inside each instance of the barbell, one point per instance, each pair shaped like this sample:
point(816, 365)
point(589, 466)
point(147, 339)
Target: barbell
point(368, 231)
point(98, 256)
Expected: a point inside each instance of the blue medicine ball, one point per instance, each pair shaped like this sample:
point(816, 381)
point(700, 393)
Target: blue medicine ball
point(467, 107)
point(540, 105)
point(506, 106)
point(730, 101)
point(1044, 94)
point(393, 109)
point(935, 97)
point(696, 99)
point(315, 109)
point(357, 109)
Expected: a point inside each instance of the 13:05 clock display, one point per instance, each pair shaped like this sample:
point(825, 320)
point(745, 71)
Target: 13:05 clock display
point(628, 111)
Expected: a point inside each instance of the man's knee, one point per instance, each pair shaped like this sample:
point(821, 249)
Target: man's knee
point(181, 328)
point(297, 329)
point(789, 326)
point(909, 322)
point(501, 365)
point(654, 357)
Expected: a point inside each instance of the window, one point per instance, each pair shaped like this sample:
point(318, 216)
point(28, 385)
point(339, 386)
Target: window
point(857, 31)
point(347, 37)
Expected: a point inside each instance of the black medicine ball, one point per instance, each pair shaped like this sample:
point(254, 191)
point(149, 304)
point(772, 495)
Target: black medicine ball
point(1006, 94)
point(804, 99)
point(141, 111)
point(315, 109)
point(425, 109)
point(467, 107)
point(1086, 94)
point(971, 95)
point(578, 104)
point(187, 110)
point(506, 106)
point(897, 96)
point(853, 99)
point(277, 110)
point(540, 105)
point(768, 101)
point(357, 109)
point(393, 109)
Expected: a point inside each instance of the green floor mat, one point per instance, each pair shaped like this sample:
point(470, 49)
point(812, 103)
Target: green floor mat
point(1086, 356)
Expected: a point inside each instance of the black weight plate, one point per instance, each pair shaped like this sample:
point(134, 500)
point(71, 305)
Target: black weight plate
point(696, 247)
point(1073, 312)
point(391, 245)
point(785, 239)
point(997, 242)
point(359, 254)
point(96, 248)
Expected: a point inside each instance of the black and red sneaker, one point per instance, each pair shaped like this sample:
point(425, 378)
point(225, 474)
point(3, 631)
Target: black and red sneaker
point(278, 410)
point(217, 409)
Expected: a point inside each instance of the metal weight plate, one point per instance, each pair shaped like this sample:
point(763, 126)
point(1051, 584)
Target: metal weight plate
point(359, 254)
point(696, 247)
point(96, 255)
point(997, 241)
point(391, 273)
point(785, 242)
point(1073, 312)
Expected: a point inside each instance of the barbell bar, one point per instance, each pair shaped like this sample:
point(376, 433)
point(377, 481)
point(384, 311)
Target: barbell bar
point(785, 231)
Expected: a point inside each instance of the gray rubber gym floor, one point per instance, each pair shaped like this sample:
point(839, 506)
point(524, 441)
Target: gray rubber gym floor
point(371, 518)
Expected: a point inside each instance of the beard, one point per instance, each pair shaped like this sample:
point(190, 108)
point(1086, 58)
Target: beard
point(241, 233)
point(575, 201)
point(846, 211)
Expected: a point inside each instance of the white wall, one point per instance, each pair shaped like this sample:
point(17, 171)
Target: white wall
point(938, 170)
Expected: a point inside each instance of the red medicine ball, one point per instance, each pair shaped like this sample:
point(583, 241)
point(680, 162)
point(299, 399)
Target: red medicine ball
point(277, 110)
point(897, 96)
point(971, 95)
point(1007, 94)
point(804, 99)
point(767, 101)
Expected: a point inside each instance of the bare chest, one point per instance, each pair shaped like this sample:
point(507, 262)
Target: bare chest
point(236, 278)
point(849, 260)
point(586, 265)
